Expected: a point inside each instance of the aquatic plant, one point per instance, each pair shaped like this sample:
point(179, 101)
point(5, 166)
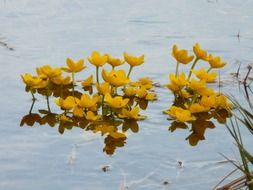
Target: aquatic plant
point(195, 102)
point(110, 107)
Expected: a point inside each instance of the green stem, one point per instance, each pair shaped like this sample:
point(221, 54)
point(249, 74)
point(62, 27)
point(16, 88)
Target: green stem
point(103, 101)
point(210, 68)
point(112, 90)
point(97, 69)
point(194, 98)
point(48, 106)
point(177, 69)
point(33, 96)
point(30, 111)
point(129, 72)
point(192, 67)
point(73, 84)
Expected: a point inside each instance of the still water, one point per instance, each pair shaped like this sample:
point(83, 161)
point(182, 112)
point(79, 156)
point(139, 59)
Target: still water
point(34, 33)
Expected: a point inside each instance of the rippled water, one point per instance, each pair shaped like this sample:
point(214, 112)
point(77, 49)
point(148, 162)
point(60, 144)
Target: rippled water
point(41, 32)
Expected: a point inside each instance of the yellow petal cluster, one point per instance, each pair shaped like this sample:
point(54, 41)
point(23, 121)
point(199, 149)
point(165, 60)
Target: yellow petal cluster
point(181, 55)
point(116, 102)
point(115, 78)
point(97, 59)
point(74, 67)
point(133, 60)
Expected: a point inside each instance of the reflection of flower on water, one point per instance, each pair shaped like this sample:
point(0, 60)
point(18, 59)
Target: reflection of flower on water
point(110, 108)
point(195, 103)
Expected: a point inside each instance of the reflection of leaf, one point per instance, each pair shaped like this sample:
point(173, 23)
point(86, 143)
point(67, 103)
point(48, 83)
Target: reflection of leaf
point(199, 127)
point(131, 100)
point(44, 111)
point(89, 89)
point(130, 124)
point(83, 124)
point(30, 119)
point(61, 129)
point(143, 104)
point(193, 139)
point(111, 144)
point(221, 115)
point(203, 115)
point(179, 102)
point(177, 125)
point(49, 118)
point(44, 92)
point(66, 125)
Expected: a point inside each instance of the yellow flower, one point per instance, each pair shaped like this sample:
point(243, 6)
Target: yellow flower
point(130, 91)
point(114, 62)
point(173, 87)
point(215, 62)
point(118, 135)
point(61, 80)
point(103, 88)
point(180, 114)
point(200, 53)
point(110, 130)
point(223, 102)
point(33, 82)
point(181, 55)
point(184, 94)
point(197, 85)
point(90, 116)
point(74, 67)
point(196, 108)
point(68, 103)
point(116, 102)
point(205, 91)
point(146, 83)
point(151, 96)
point(208, 101)
point(115, 77)
point(104, 129)
point(78, 112)
point(202, 74)
point(177, 82)
point(131, 114)
point(142, 92)
point(48, 72)
point(97, 59)
point(133, 60)
point(172, 111)
point(88, 102)
point(87, 82)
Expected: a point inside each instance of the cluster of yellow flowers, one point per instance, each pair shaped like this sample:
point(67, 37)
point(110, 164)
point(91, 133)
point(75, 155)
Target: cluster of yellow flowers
point(117, 97)
point(192, 94)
